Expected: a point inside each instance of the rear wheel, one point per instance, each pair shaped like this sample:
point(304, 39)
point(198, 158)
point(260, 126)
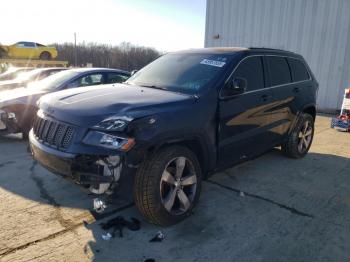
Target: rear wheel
point(167, 186)
point(45, 56)
point(300, 140)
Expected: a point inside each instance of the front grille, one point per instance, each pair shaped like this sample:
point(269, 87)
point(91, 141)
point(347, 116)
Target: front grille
point(53, 133)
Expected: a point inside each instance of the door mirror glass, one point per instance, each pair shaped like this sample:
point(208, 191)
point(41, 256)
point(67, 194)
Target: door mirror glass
point(235, 87)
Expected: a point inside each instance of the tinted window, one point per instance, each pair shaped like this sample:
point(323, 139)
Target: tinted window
point(251, 69)
point(278, 70)
point(115, 78)
point(298, 69)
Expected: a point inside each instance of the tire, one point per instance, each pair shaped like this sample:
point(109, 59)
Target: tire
point(157, 193)
point(300, 139)
point(45, 56)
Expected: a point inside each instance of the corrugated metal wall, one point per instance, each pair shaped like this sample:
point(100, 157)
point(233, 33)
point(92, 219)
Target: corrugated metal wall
point(317, 29)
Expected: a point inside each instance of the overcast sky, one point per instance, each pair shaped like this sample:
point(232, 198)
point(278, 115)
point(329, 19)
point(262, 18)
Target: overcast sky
point(167, 25)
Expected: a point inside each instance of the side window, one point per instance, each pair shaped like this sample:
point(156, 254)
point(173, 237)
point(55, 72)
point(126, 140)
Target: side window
point(115, 78)
point(29, 44)
point(278, 70)
point(251, 69)
point(298, 69)
point(25, 44)
point(93, 79)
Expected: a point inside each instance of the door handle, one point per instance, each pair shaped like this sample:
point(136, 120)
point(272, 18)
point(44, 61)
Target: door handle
point(296, 89)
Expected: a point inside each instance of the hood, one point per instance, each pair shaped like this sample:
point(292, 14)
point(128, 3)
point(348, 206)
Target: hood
point(88, 106)
point(20, 96)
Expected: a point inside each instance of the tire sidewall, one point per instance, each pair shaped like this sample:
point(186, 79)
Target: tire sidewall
point(303, 119)
point(166, 156)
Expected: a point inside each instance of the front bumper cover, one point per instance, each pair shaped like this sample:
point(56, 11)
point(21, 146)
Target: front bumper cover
point(81, 169)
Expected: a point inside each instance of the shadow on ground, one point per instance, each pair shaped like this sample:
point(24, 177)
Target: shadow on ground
point(293, 210)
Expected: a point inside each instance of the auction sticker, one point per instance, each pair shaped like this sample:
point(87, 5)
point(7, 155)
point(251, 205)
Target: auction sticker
point(212, 63)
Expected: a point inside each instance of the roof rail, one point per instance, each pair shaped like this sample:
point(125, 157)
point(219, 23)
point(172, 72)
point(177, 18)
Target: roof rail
point(269, 49)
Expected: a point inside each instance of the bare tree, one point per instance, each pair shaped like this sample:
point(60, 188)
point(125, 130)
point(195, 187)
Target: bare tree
point(125, 56)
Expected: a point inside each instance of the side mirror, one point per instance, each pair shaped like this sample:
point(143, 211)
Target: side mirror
point(235, 87)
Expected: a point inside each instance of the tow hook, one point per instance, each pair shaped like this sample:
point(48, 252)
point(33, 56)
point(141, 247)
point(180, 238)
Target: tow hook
point(99, 205)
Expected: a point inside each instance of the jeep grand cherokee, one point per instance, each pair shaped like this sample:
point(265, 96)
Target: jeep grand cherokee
point(176, 121)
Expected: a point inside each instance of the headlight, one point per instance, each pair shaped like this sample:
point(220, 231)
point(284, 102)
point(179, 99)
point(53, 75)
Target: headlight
point(109, 141)
point(114, 124)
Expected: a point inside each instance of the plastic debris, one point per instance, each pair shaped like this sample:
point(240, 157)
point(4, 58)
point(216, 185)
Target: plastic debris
point(99, 205)
point(241, 194)
point(118, 223)
point(107, 236)
point(159, 237)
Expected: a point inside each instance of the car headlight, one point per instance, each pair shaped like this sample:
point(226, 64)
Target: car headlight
point(114, 124)
point(109, 141)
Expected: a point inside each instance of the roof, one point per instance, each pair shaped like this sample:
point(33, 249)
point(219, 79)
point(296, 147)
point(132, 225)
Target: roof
point(229, 50)
point(92, 69)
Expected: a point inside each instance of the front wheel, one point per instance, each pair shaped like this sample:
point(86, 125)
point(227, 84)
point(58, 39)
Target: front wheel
point(300, 139)
point(167, 186)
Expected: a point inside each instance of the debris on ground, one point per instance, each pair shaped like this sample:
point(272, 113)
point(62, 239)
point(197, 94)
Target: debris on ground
point(107, 236)
point(99, 205)
point(159, 237)
point(150, 260)
point(241, 194)
point(118, 223)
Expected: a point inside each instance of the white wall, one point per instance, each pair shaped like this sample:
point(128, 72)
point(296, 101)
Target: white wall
point(317, 29)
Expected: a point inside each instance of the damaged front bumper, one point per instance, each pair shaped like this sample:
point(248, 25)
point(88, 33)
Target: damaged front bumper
point(98, 173)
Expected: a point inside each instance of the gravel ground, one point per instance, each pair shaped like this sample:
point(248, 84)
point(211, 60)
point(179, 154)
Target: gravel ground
point(290, 210)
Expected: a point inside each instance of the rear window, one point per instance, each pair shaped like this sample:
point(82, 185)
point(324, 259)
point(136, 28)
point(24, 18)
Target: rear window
point(278, 70)
point(298, 69)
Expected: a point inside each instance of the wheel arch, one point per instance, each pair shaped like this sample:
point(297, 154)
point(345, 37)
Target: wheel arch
point(197, 146)
point(311, 110)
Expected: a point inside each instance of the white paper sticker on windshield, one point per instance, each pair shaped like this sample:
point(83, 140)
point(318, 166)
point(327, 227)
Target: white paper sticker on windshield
point(212, 63)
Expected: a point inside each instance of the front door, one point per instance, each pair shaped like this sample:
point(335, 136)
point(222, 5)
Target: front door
point(245, 118)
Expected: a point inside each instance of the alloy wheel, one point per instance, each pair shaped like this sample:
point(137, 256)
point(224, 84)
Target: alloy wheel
point(178, 185)
point(305, 137)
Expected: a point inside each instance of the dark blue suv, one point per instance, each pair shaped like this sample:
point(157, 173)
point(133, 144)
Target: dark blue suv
point(176, 121)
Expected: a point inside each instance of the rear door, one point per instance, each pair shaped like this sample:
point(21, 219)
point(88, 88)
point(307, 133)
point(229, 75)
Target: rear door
point(286, 79)
point(245, 118)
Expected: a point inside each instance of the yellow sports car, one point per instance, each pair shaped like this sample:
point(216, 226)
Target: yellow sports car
point(28, 50)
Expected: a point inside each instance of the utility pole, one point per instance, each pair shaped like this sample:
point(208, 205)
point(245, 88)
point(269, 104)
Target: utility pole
point(75, 50)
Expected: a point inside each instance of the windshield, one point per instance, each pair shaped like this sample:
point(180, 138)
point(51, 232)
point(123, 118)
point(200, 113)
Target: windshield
point(54, 81)
point(184, 73)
